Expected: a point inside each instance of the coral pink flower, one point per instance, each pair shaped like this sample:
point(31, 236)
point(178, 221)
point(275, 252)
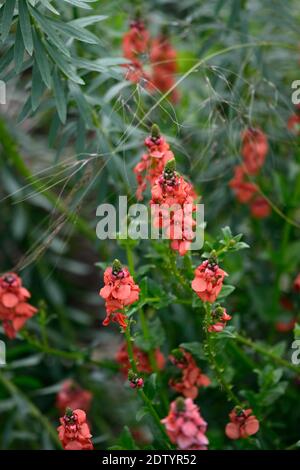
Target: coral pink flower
point(14, 307)
point(164, 66)
point(219, 318)
point(208, 281)
point(141, 359)
point(260, 208)
point(153, 162)
point(192, 377)
point(185, 426)
point(119, 292)
point(74, 432)
point(296, 284)
point(242, 424)
point(135, 43)
point(172, 207)
point(71, 395)
point(254, 149)
point(244, 190)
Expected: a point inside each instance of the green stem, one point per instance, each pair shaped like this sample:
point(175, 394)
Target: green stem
point(211, 355)
point(265, 352)
point(34, 411)
point(141, 392)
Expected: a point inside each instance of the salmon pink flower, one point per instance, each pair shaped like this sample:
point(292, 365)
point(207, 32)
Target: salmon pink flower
point(135, 44)
point(14, 307)
point(185, 426)
point(260, 208)
point(192, 377)
point(141, 359)
point(242, 424)
point(243, 189)
point(74, 432)
point(208, 281)
point(119, 292)
point(219, 318)
point(153, 162)
point(71, 395)
point(164, 66)
point(172, 207)
point(254, 149)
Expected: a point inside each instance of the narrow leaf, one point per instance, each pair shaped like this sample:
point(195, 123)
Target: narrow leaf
point(59, 95)
point(42, 60)
point(25, 26)
point(7, 16)
point(18, 49)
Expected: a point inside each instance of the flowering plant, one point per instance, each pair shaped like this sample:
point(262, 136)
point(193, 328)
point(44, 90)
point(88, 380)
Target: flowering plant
point(115, 340)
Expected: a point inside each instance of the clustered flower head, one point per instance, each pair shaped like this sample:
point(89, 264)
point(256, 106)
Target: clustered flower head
point(172, 206)
point(192, 377)
point(153, 162)
point(119, 292)
point(74, 432)
point(135, 381)
point(219, 318)
point(71, 395)
point(208, 280)
point(164, 65)
point(185, 426)
point(242, 424)
point(137, 47)
point(254, 151)
point(136, 44)
point(141, 359)
point(14, 307)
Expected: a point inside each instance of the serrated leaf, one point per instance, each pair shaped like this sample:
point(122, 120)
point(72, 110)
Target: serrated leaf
point(6, 19)
point(25, 26)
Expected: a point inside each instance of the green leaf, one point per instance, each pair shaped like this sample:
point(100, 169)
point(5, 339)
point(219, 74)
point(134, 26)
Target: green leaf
point(226, 290)
point(80, 3)
point(76, 32)
point(7, 16)
point(25, 26)
point(82, 104)
point(194, 348)
point(60, 98)
point(42, 60)
point(88, 20)
point(37, 87)
point(6, 59)
point(47, 27)
point(50, 7)
point(63, 65)
point(141, 413)
point(18, 49)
